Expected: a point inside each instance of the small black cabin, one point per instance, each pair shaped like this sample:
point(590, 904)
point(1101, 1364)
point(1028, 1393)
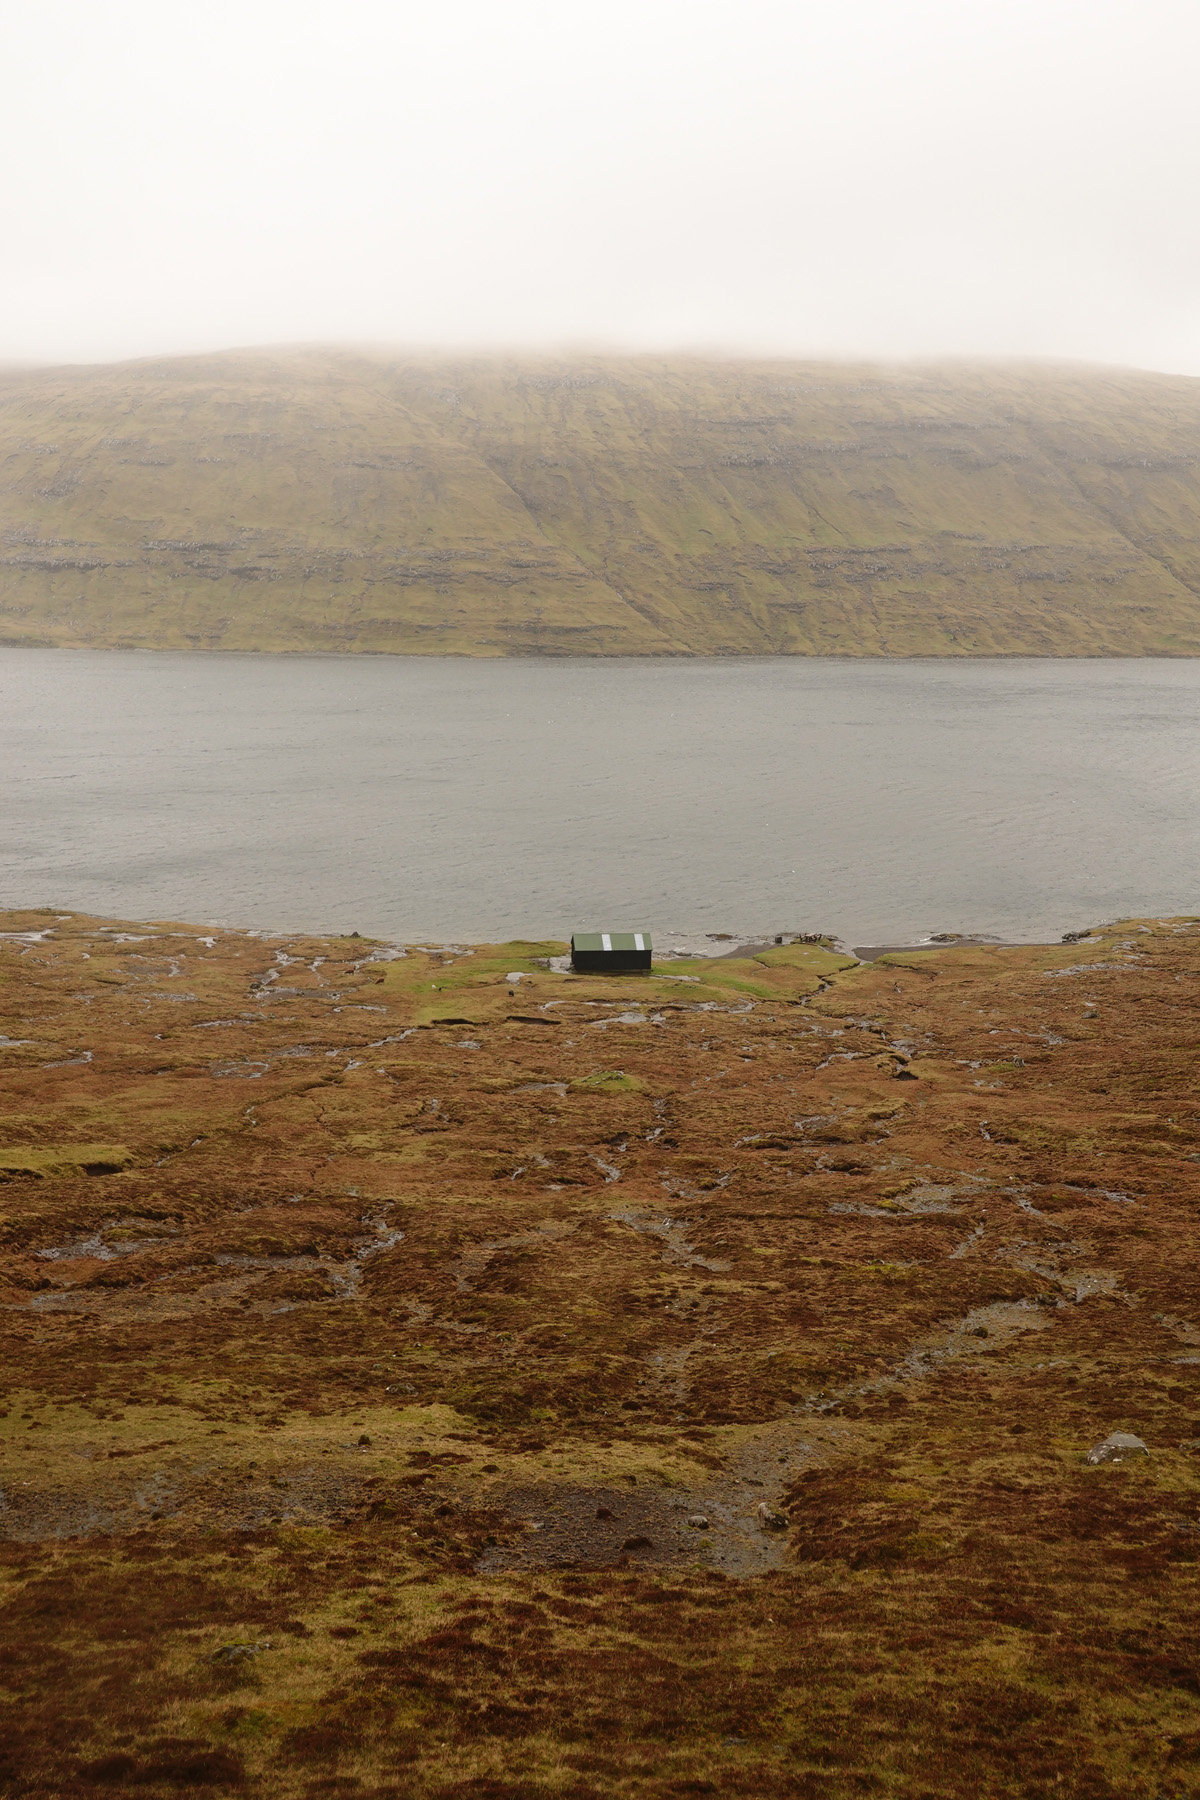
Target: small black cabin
point(610, 952)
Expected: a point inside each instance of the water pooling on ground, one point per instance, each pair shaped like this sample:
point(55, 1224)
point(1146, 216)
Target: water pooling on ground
point(444, 798)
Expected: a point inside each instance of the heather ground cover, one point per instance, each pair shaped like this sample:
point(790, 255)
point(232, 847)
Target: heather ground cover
point(438, 1374)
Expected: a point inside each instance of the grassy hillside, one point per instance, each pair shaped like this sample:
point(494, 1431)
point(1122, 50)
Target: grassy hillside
point(327, 500)
point(421, 1384)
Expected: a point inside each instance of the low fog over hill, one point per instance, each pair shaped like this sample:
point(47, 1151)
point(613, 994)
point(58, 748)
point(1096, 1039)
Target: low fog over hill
point(331, 500)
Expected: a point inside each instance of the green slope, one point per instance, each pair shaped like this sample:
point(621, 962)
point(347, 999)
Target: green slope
point(330, 500)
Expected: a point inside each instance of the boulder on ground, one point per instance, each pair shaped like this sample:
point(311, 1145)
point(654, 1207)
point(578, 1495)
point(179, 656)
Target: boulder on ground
point(1116, 1447)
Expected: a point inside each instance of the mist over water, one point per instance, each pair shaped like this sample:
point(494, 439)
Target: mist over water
point(440, 799)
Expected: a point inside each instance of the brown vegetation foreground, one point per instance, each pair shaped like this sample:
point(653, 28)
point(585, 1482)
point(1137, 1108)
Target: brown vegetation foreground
point(423, 1382)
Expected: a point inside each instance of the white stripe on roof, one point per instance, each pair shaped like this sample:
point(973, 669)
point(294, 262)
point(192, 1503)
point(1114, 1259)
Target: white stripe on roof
point(637, 941)
point(605, 941)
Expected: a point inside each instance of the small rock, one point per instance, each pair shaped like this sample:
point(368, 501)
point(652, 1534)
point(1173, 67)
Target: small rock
point(604, 1512)
point(698, 1521)
point(234, 1653)
point(769, 1519)
point(1116, 1447)
point(364, 1439)
point(637, 1543)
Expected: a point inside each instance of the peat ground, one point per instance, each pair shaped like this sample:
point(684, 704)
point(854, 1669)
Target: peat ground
point(432, 1374)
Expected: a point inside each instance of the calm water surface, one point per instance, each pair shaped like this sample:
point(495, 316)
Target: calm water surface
point(441, 798)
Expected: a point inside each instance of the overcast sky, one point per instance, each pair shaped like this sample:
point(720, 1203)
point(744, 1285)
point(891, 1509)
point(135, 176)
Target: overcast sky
point(846, 178)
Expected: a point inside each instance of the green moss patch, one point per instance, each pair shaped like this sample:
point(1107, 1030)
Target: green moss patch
point(607, 1081)
point(65, 1159)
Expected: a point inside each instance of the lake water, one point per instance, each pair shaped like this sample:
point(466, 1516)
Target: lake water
point(441, 799)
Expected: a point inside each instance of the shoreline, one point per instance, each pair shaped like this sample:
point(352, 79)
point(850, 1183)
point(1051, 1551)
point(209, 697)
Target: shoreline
point(315, 654)
point(684, 946)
